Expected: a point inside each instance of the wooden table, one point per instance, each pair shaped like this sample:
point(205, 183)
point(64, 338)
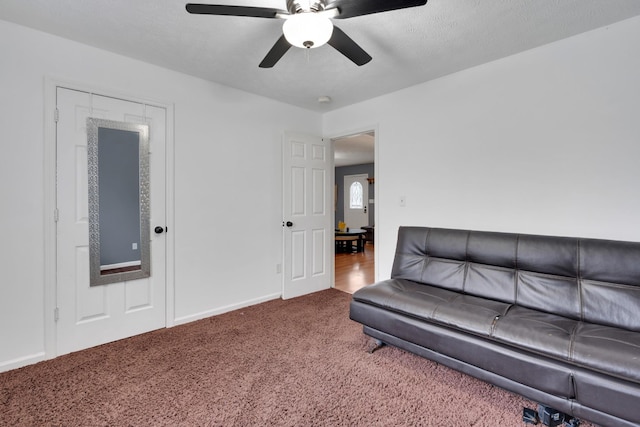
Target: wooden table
point(348, 237)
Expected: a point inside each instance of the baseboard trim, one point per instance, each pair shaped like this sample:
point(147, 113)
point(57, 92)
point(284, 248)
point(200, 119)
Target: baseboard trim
point(225, 309)
point(22, 361)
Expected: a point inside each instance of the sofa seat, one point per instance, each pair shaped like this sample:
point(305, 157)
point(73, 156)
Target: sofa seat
point(471, 314)
point(537, 331)
point(524, 367)
point(610, 350)
point(606, 349)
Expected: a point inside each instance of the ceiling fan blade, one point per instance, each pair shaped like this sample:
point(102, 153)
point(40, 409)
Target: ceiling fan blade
point(219, 9)
point(351, 8)
point(277, 51)
point(346, 46)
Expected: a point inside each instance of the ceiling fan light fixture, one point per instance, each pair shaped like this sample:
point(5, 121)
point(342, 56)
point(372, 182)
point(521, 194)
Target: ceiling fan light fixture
point(307, 29)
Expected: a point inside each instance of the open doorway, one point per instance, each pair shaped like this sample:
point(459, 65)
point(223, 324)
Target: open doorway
point(354, 211)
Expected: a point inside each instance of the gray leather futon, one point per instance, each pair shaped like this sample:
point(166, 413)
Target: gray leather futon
point(555, 319)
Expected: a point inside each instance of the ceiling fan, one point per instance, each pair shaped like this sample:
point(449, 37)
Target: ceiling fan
point(308, 23)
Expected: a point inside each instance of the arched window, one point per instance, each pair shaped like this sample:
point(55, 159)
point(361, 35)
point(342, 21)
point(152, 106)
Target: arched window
point(355, 196)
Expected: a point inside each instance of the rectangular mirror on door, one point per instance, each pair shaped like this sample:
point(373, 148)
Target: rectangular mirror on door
point(119, 234)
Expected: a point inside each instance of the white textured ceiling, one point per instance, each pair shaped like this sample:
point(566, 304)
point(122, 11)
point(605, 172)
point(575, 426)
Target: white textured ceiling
point(354, 149)
point(408, 46)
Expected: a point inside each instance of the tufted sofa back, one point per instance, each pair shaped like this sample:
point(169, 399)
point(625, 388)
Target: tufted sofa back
point(596, 281)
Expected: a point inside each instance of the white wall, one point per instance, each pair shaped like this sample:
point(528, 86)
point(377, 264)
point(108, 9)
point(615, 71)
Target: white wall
point(546, 142)
point(227, 181)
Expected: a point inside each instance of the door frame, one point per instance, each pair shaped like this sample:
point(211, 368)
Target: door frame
point(376, 214)
point(50, 203)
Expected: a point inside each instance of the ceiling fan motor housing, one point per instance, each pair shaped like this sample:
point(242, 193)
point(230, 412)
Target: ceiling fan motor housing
point(298, 6)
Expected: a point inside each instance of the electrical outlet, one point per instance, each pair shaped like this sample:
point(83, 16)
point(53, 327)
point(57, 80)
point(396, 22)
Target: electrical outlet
point(134, 246)
point(403, 201)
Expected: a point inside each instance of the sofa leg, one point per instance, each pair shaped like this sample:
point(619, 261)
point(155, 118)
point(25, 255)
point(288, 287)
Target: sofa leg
point(376, 344)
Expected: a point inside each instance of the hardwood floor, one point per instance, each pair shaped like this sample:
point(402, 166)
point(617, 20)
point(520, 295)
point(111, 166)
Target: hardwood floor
point(355, 270)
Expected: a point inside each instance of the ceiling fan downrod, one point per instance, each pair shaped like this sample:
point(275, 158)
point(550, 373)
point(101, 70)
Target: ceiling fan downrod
point(299, 6)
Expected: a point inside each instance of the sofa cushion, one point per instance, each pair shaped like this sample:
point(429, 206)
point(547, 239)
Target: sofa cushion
point(471, 314)
point(431, 256)
point(466, 312)
point(536, 331)
point(557, 256)
point(405, 296)
point(546, 292)
point(492, 282)
point(610, 274)
point(611, 304)
point(607, 349)
point(610, 261)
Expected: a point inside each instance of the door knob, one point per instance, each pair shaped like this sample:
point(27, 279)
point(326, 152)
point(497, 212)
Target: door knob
point(158, 230)
point(289, 224)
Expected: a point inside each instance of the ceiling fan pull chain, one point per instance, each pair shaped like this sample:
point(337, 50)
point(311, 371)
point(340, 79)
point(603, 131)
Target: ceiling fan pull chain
point(307, 54)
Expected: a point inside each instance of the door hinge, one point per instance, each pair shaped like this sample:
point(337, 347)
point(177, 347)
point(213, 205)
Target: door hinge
point(56, 115)
point(56, 215)
point(56, 314)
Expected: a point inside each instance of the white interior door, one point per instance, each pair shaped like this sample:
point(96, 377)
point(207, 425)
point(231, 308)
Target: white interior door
point(356, 200)
point(307, 229)
point(89, 316)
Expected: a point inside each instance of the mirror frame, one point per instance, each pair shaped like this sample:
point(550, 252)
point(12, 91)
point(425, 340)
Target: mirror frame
point(96, 278)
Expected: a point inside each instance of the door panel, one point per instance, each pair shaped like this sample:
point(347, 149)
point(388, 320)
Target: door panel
point(356, 217)
point(298, 255)
point(307, 243)
point(319, 243)
point(90, 316)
